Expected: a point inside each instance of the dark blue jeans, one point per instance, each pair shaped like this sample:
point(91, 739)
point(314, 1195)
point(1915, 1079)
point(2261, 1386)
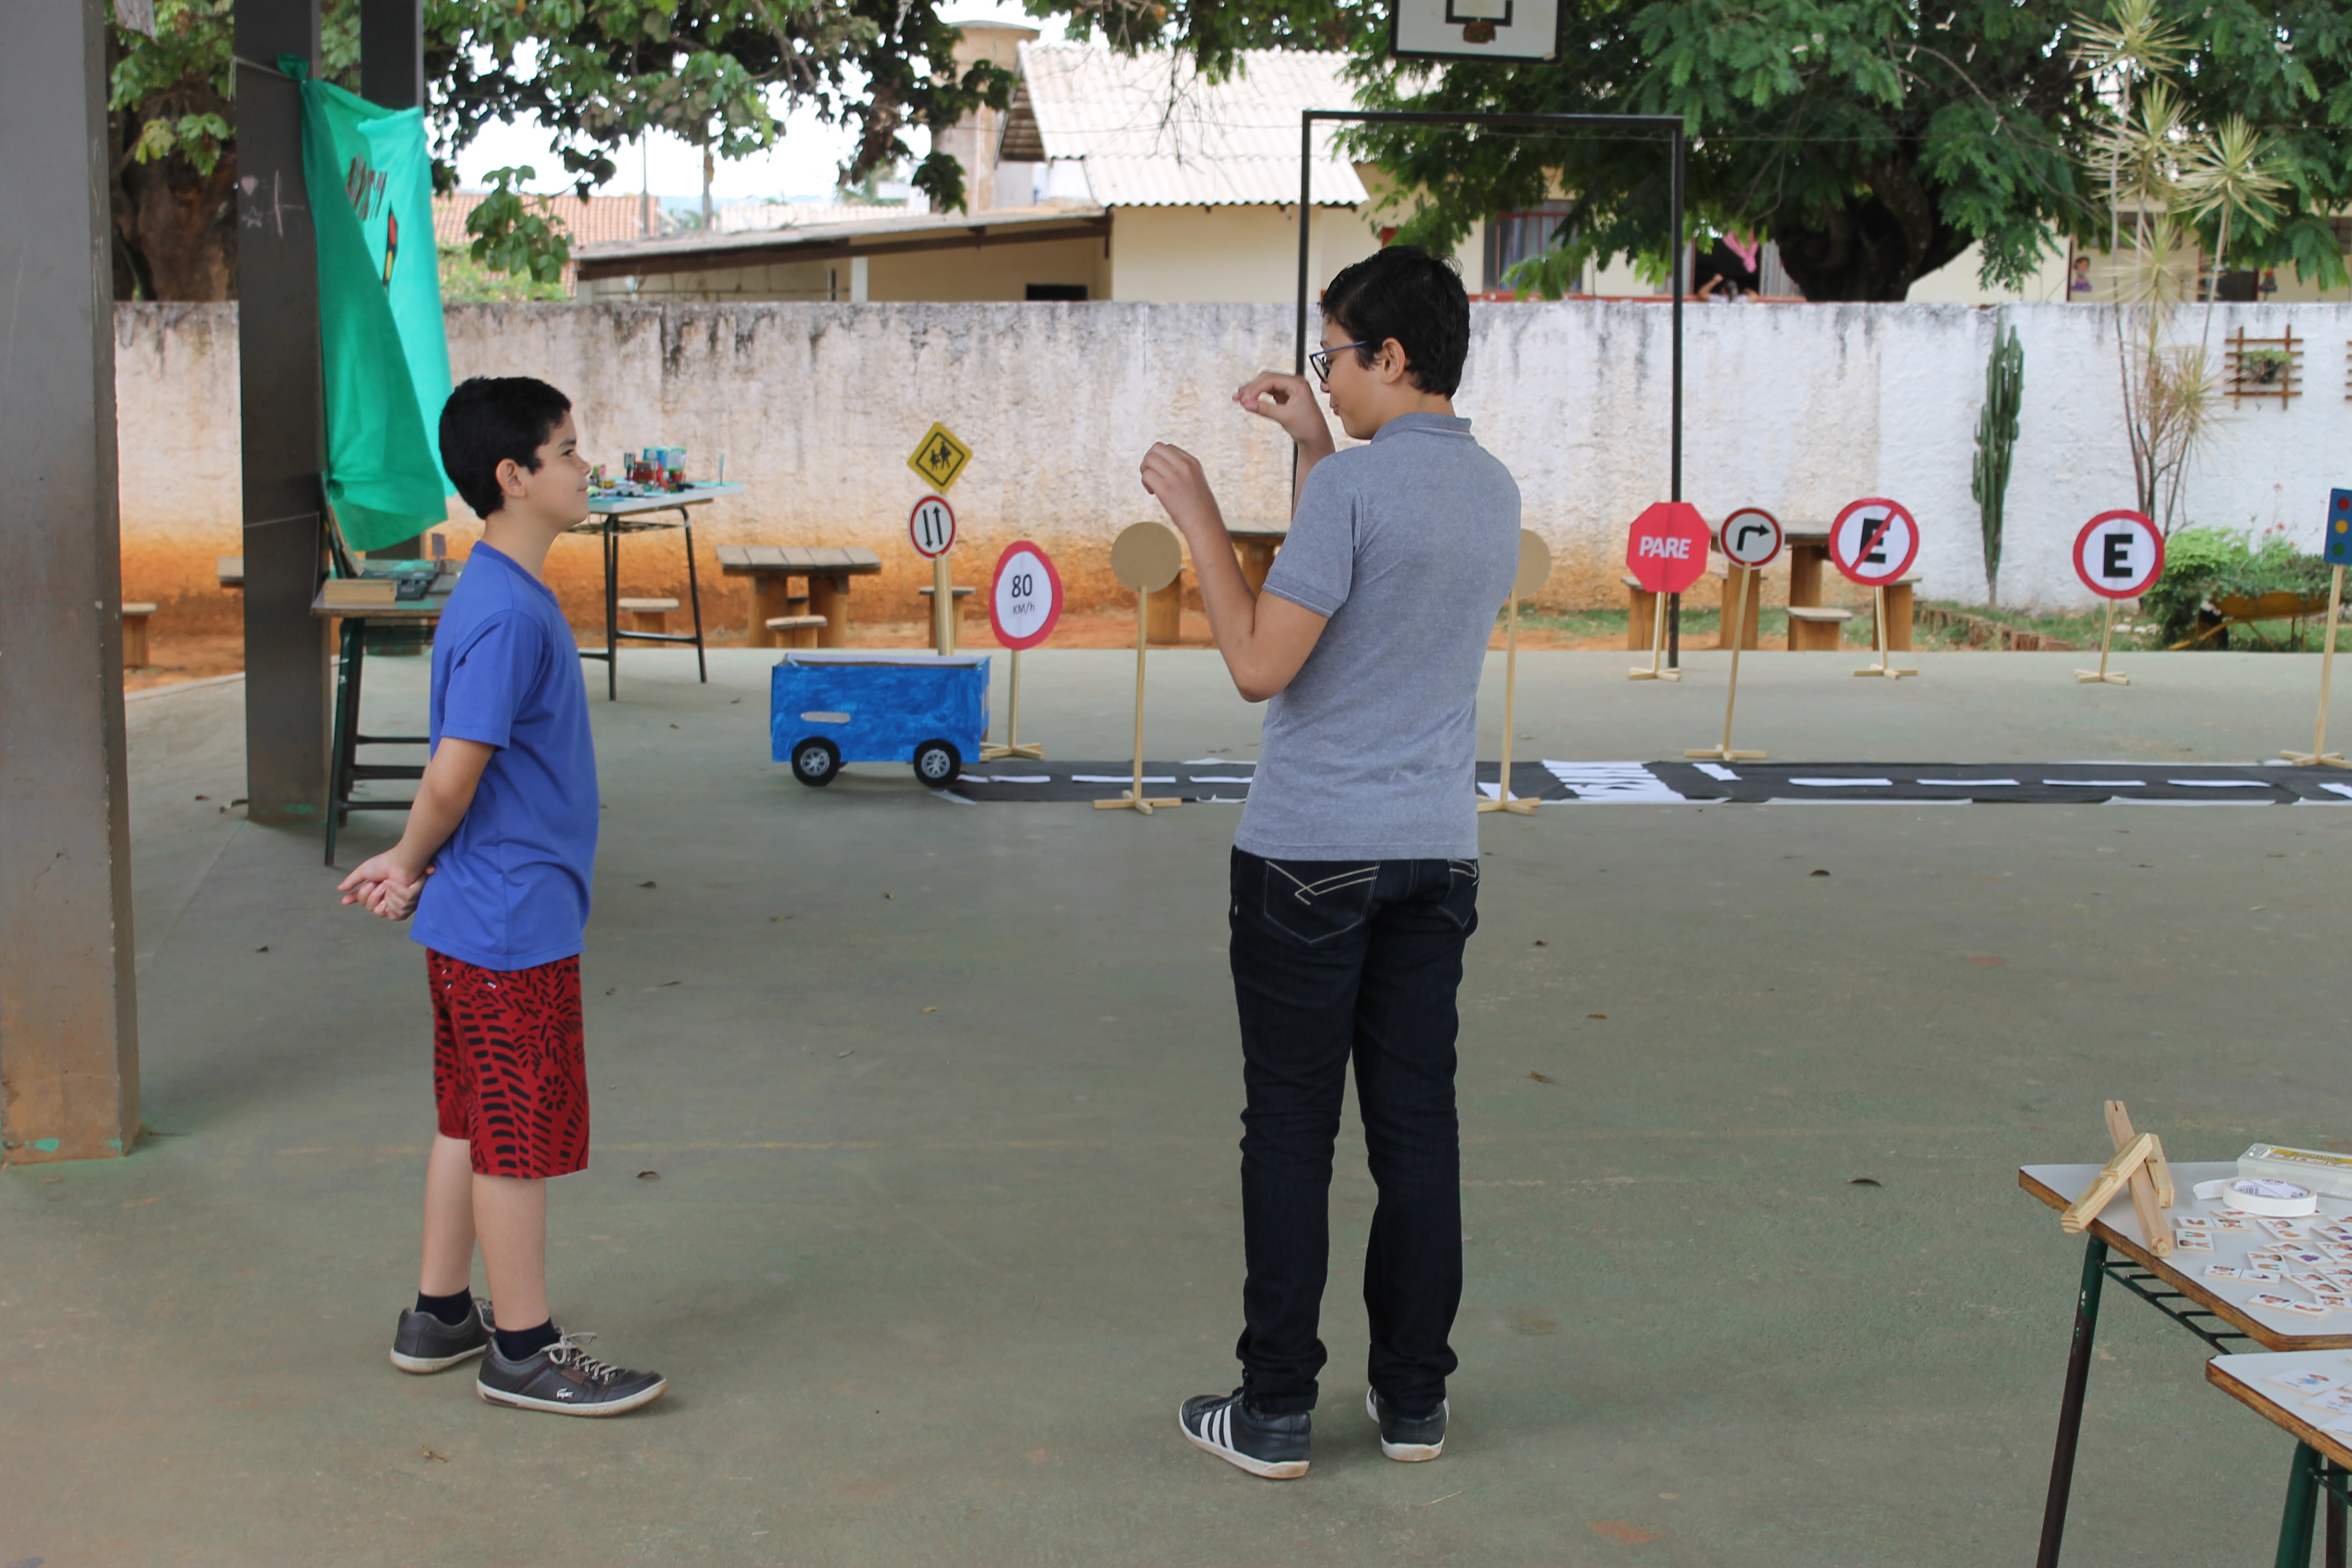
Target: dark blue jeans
point(1334, 961)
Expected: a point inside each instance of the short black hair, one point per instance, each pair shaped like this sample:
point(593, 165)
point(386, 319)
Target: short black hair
point(1406, 293)
point(489, 419)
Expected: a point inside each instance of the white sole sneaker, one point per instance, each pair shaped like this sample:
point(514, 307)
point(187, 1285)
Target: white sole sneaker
point(638, 1401)
point(1278, 1470)
point(1404, 1453)
point(435, 1363)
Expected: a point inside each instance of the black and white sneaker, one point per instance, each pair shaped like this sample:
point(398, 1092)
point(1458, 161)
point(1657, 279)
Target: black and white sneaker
point(1275, 1446)
point(566, 1380)
point(1407, 1440)
point(422, 1343)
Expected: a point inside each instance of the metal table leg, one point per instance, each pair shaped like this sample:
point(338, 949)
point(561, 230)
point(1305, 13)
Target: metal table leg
point(348, 664)
point(2295, 1525)
point(694, 597)
point(2070, 1408)
point(2333, 1501)
point(611, 609)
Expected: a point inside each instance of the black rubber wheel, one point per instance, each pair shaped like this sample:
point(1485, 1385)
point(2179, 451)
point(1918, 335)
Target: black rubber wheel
point(937, 765)
point(816, 761)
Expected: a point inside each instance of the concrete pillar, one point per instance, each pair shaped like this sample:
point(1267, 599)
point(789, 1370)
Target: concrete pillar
point(68, 1009)
point(391, 53)
point(283, 421)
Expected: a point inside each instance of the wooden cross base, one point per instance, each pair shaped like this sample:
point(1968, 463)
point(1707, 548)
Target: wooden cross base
point(1724, 753)
point(1521, 803)
point(2318, 760)
point(1127, 801)
point(1036, 752)
point(1653, 675)
point(1891, 671)
point(2139, 1162)
point(2094, 677)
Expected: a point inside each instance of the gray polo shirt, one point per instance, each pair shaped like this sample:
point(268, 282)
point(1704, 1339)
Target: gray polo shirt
point(1409, 544)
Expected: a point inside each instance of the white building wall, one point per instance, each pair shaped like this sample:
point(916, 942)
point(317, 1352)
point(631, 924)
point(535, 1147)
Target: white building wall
point(1799, 408)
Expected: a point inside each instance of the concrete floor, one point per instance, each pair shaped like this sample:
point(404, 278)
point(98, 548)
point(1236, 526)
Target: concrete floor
point(930, 1284)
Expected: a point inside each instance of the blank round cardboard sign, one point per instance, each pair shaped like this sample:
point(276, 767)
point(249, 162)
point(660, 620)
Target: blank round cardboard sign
point(1147, 556)
point(1535, 564)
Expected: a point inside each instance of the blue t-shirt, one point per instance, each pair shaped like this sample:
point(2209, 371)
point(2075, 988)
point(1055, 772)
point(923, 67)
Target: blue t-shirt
point(509, 889)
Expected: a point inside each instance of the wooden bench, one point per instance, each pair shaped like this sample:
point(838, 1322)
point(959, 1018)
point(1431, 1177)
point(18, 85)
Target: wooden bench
point(648, 614)
point(134, 634)
point(827, 570)
point(1899, 602)
point(1641, 614)
point(796, 631)
point(229, 570)
point(1815, 628)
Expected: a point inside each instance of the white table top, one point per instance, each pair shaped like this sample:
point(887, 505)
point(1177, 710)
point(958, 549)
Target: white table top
point(2119, 1225)
point(625, 506)
point(2248, 1379)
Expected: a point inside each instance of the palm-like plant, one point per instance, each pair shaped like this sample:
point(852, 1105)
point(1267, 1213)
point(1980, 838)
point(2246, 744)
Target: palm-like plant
point(2228, 175)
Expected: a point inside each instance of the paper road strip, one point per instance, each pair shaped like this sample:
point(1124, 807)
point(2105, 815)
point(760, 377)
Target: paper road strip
point(1004, 778)
point(1117, 778)
point(2344, 790)
point(1845, 783)
point(2097, 783)
point(1967, 784)
point(2221, 784)
point(1223, 778)
point(1718, 771)
point(1218, 763)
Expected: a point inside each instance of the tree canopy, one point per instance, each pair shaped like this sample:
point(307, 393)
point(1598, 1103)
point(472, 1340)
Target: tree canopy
point(1874, 140)
point(595, 73)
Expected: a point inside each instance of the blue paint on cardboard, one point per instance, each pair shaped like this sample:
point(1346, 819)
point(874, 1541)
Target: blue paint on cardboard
point(878, 706)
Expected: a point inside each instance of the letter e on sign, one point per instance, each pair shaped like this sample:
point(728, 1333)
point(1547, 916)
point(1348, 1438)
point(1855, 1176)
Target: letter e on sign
point(1874, 542)
point(1026, 599)
point(2119, 554)
point(931, 527)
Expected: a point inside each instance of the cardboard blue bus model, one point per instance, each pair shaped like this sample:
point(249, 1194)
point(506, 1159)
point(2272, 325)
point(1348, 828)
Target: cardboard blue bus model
point(831, 706)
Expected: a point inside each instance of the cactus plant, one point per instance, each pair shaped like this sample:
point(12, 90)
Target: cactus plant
point(1996, 440)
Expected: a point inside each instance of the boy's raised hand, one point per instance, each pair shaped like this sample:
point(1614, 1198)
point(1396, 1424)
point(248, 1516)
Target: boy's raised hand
point(1174, 479)
point(1290, 402)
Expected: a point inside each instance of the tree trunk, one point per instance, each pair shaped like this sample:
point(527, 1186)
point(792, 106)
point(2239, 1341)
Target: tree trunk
point(179, 228)
point(1884, 239)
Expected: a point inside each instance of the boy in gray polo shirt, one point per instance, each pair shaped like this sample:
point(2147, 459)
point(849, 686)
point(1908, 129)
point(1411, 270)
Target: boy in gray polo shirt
point(1355, 873)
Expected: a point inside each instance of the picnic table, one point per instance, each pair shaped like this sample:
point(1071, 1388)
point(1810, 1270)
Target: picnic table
point(827, 569)
point(611, 516)
point(1255, 544)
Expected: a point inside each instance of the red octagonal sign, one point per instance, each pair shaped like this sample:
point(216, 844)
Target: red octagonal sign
point(1666, 550)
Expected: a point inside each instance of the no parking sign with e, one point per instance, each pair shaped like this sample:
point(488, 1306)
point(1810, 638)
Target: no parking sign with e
point(1873, 541)
point(2119, 554)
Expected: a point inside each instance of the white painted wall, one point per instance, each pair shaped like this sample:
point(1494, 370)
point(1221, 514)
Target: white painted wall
point(1795, 407)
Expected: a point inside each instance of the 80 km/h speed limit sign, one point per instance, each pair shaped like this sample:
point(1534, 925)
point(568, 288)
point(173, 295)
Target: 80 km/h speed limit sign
point(1874, 542)
point(2119, 554)
point(1027, 598)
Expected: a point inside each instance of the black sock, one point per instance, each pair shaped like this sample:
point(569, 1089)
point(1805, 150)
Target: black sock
point(450, 1310)
point(521, 1344)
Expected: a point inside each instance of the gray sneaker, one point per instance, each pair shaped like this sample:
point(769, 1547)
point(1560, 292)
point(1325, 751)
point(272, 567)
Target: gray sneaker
point(567, 1380)
point(1409, 1440)
point(422, 1343)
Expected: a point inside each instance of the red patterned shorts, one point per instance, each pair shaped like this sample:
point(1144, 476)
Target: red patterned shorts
point(510, 1071)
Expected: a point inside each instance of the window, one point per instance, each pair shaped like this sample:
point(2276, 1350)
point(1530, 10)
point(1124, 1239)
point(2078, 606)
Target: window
point(1513, 238)
point(1052, 292)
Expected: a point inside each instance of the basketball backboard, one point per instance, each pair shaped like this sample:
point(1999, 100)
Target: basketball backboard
point(1473, 30)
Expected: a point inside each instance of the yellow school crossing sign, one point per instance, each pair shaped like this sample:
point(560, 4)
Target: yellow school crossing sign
point(940, 457)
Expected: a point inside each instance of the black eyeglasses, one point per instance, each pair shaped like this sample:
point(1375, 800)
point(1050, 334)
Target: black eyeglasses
point(1319, 360)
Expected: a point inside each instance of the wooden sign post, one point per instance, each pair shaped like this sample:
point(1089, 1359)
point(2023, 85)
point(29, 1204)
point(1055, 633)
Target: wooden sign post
point(2139, 1161)
point(1145, 557)
point(1751, 540)
point(1535, 567)
point(2338, 552)
point(931, 529)
point(1024, 604)
point(1666, 552)
point(2118, 555)
point(1874, 542)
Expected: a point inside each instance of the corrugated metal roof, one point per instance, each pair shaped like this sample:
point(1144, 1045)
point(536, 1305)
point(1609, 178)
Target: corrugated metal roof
point(1152, 133)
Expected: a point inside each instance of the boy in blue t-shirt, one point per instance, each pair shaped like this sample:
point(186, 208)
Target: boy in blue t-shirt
point(494, 864)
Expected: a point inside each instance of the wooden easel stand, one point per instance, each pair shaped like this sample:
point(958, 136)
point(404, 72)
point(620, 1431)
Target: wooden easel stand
point(2106, 640)
point(942, 607)
point(1738, 625)
point(1657, 670)
point(1503, 800)
point(1133, 800)
point(1013, 746)
point(1883, 666)
point(2319, 755)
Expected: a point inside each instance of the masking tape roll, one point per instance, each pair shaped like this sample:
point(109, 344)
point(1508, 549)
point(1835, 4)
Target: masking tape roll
point(2260, 1195)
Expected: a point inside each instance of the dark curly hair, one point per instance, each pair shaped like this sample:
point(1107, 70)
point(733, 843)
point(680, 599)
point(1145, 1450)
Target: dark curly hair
point(1406, 293)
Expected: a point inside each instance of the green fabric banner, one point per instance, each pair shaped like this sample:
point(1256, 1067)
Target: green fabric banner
point(383, 352)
